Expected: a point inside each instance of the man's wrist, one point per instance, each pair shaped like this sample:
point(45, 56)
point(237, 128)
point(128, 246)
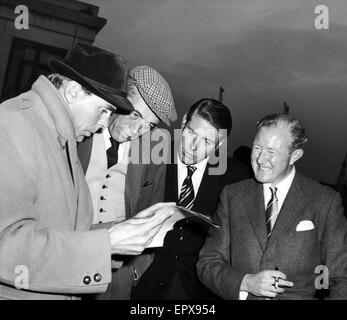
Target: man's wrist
point(244, 283)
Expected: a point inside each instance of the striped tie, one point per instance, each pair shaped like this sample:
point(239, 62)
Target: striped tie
point(187, 196)
point(271, 211)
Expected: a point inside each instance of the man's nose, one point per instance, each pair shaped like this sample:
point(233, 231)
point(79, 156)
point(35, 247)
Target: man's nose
point(194, 144)
point(136, 127)
point(262, 157)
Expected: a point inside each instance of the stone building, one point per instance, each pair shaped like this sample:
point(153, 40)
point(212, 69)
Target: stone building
point(53, 26)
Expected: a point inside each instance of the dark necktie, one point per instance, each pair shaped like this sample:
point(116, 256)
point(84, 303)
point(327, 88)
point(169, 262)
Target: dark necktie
point(271, 211)
point(187, 196)
point(112, 153)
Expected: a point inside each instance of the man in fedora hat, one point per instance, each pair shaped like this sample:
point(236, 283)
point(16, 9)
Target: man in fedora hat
point(47, 247)
point(120, 187)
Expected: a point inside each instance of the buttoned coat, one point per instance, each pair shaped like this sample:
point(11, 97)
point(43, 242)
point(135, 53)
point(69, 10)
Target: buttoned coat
point(46, 248)
point(241, 246)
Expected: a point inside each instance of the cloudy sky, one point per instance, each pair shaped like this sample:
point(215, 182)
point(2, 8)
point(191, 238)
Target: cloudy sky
point(263, 52)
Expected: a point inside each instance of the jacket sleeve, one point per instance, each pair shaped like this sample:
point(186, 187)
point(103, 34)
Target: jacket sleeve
point(214, 268)
point(335, 249)
point(33, 255)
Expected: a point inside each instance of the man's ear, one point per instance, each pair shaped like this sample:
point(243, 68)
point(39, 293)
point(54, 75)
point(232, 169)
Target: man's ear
point(295, 156)
point(184, 121)
point(72, 91)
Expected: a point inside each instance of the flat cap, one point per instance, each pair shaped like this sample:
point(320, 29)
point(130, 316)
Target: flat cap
point(155, 91)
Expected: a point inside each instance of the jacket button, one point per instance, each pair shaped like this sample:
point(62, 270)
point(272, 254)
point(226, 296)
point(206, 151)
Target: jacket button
point(102, 198)
point(108, 176)
point(102, 210)
point(161, 284)
point(86, 280)
point(176, 257)
point(104, 186)
point(97, 277)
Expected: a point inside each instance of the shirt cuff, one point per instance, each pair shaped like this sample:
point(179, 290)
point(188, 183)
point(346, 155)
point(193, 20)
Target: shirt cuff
point(243, 295)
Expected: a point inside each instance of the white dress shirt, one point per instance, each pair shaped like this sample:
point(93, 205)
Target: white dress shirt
point(196, 177)
point(123, 149)
point(282, 189)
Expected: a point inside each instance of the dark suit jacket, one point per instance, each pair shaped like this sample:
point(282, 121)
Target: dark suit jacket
point(172, 275)
point(240, 247)
point(144, 186)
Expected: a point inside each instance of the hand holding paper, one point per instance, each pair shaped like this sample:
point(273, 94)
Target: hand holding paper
point(132, 236)
point(179, 214)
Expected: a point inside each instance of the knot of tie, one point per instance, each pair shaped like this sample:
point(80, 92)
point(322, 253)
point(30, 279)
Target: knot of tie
point(114, 143)
point(273, 192)
point(191, 170)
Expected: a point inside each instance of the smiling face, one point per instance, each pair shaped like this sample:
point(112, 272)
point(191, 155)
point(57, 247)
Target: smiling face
point(272, 159)
point(138, 122)
point(199, 139)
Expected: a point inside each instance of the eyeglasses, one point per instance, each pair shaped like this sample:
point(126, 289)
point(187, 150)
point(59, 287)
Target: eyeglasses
point(136, 116)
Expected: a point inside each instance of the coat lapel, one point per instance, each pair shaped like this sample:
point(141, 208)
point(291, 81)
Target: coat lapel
point(208, 181)
point(171, 192)
point(133, 183)
point(291, 210)
point(84, 151)
point(254, 202)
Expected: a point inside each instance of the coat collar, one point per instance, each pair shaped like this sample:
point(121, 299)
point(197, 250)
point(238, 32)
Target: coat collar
point(56, 107)
point(254, 202)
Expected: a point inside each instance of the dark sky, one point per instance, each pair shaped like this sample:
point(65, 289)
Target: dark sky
point(263, 52)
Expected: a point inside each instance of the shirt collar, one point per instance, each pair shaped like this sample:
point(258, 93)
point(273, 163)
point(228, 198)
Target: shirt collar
point(107, 137)
point(285, 184)
point(199, 166)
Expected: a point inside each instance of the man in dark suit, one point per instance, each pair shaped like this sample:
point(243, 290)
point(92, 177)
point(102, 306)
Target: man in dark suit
point(172, 275)
point(280, 231)
point(119, 170)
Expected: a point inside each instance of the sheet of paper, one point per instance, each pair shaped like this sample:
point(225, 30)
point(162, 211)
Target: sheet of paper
point(168, 224)
point(180, 214)
point(203, 218)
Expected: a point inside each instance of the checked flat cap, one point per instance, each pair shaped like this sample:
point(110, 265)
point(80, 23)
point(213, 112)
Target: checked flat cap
point(155, 91)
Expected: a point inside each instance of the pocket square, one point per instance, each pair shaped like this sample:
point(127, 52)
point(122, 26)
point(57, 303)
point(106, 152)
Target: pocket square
point(305, 225)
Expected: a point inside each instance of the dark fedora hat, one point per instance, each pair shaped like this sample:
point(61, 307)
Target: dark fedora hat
point(101, 72)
